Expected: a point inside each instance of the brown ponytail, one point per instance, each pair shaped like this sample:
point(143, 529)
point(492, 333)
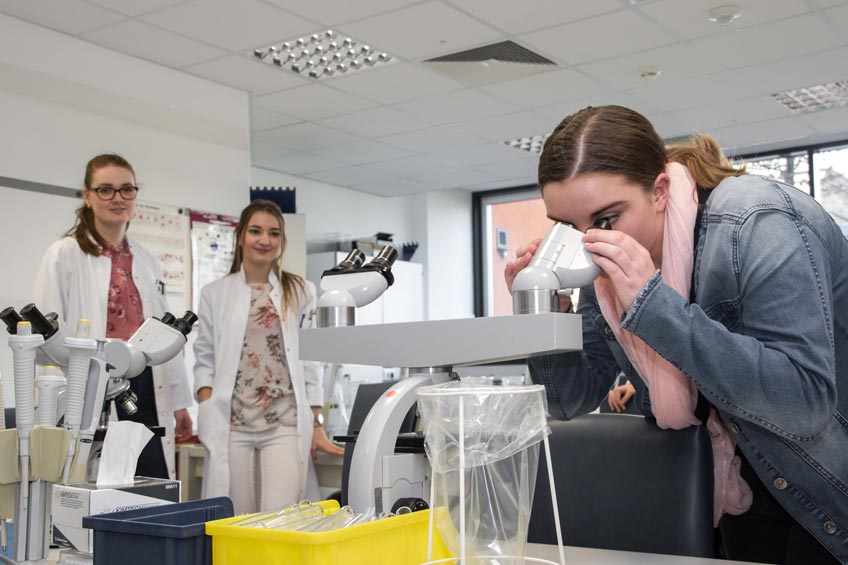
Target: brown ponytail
point(292, 284)
point(705, 160)
point(84, 230)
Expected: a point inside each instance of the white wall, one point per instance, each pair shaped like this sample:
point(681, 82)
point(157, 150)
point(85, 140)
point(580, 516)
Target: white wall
point(63, 100)
point(448, 250)
point(440, 221)
point(334, 213)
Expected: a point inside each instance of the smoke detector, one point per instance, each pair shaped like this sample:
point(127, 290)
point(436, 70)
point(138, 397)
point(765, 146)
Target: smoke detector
point(725, 15)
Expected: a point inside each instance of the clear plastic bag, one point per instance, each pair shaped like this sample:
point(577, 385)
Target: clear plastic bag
point(483, 446)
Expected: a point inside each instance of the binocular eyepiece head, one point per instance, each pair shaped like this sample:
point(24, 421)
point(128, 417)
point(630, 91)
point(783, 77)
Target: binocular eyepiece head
point(183, 325)
point(41, 324)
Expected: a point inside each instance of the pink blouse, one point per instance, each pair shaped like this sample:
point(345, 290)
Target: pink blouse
point(124, 312)
point(263, 396)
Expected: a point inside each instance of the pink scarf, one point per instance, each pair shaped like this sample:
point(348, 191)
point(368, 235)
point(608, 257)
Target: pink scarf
point(673, 396)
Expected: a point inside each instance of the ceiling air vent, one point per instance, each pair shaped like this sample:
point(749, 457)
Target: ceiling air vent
point(491, 63)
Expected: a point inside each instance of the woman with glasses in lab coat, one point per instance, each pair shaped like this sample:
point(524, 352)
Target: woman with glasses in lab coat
point(96, 272)
point(259, 405)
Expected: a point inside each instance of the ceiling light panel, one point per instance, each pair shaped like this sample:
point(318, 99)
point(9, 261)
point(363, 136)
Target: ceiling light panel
point(321, 55)
point(531, 144)
point(813, 98)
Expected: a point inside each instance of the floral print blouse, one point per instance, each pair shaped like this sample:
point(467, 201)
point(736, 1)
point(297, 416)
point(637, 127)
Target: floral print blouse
point(263, 397)
point(124, 313)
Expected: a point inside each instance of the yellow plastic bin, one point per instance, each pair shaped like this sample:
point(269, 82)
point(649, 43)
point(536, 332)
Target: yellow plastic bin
point(401, 540)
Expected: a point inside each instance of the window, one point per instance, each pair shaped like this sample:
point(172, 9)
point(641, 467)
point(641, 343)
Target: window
point(831, 182)
point(792, 168)
point(508, 220)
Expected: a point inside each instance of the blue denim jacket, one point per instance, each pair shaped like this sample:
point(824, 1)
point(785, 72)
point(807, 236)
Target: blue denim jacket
point(765, 340)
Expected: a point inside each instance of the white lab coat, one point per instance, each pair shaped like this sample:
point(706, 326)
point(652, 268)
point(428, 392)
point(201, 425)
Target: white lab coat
point(223, 311)
point(75, 285)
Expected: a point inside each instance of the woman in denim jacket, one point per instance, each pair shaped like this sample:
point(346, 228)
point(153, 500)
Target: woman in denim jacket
point(728, 296)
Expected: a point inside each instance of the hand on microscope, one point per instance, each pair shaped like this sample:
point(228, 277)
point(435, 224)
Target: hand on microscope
point(522, 259)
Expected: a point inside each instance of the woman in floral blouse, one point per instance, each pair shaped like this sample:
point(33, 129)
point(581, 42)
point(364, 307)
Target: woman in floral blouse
point(258, 402)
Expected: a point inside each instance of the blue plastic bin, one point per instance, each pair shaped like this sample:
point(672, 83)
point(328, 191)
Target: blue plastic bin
point(173, 534)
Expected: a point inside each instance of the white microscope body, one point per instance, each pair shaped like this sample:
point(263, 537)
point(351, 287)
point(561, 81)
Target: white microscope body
point(379, 476)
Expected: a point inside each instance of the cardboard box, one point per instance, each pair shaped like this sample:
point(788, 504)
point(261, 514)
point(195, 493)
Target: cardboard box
point(73, 502)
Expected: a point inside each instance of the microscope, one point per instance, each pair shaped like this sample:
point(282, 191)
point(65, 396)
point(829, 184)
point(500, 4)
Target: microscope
point(379, 477)
point(97, 372)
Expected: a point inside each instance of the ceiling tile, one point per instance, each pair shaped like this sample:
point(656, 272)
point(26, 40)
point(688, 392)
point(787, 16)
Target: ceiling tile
point(696, 91)
point(556, 112)
point(376, 122)
point(827, 121)
point(155, 44)
point(260, 150)
point(590, 40)
point(350, 176)
point(394, 187)
point(363, 152)
point(479, 154)
point(235, 26)
point(676, 62)
point(395, 83)
point(70, 16)
point(787, 129)
point(730, 113)
point(690, 19)
point(432, 139)
point(547, 88)
point(417, 165)
point(838, 17)
point(303, 137)
point(456, 106)
point(503, 128)
point(312, 102)
point(426, 29)
point(452, 179)
point(770, 42)
point(827, 3)
point(298, 163)
point(262, 119)
point(241, 72)
point(526, 167)
point(334, 13)
point(528, 15)
point(796, 72)
point(134, 7)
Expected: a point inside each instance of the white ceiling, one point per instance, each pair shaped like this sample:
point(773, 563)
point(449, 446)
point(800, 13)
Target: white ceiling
point(404, 128)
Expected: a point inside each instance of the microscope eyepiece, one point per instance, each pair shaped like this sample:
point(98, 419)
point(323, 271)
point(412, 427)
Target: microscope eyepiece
point(353, 261)
point(40, 323)
point(11, 318)
point(185, 323)
point(386, 257)
point(168, 318)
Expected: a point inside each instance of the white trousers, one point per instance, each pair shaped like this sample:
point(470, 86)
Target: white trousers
point(264, 470)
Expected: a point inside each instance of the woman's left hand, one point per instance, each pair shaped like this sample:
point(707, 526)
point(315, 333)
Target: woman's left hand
point(627, 264)
point(182, 424)
point(320, 442)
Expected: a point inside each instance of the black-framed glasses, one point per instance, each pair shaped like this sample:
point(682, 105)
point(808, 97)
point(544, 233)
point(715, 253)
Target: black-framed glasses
point(106, 192)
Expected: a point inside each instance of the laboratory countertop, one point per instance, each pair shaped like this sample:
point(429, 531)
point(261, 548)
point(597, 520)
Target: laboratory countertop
point(589, 556)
